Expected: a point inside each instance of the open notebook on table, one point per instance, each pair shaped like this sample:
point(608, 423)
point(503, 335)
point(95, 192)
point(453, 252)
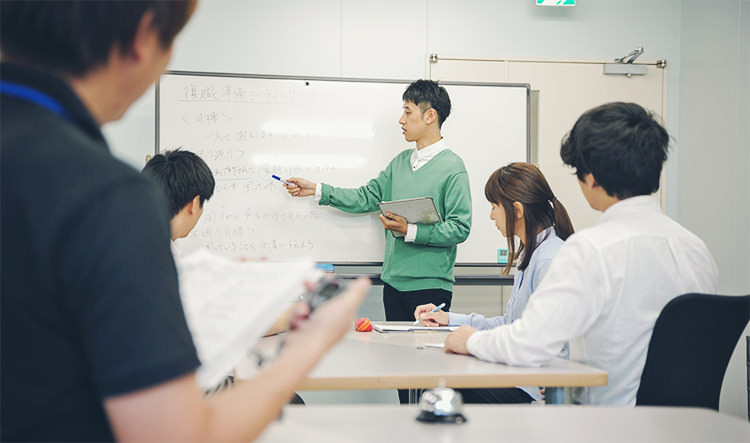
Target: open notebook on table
point(385, 327)
point(229, 304)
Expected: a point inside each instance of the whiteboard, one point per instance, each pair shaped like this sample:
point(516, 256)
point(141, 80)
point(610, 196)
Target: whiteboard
point(339, 131)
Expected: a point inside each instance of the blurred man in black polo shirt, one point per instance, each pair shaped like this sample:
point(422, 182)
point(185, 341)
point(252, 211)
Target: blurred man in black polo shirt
point(95, 344)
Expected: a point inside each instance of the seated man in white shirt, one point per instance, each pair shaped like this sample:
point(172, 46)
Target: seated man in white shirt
point(608, 283)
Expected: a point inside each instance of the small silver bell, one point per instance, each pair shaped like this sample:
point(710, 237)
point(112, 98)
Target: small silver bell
point(441, 405)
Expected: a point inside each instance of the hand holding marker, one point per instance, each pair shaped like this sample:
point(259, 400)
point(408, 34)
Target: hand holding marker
point(281, 179)
point(435, 309)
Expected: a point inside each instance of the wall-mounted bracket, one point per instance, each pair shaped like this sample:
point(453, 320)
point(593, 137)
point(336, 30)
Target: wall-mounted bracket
point(625, 69)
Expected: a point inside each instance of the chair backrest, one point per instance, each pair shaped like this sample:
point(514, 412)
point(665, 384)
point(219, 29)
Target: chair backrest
point(691, 344)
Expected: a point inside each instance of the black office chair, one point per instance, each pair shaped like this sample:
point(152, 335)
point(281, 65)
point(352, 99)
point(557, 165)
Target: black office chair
point(690, 348)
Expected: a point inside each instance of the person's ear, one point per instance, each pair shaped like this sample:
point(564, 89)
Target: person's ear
point(430, 116)
point(589, 181)
point(145, 37)
point(195, 205)
point(518, 209)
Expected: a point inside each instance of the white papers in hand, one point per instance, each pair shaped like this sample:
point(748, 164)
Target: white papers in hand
point(229, 304)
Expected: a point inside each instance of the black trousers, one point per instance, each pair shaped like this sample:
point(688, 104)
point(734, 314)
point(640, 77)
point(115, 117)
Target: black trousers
point(400, 306)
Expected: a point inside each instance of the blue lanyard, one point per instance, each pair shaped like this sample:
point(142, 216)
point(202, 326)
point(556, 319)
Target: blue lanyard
point(34, 96)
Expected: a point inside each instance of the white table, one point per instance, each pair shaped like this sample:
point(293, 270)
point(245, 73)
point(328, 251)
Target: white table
point(495, 423)
point(396, 360)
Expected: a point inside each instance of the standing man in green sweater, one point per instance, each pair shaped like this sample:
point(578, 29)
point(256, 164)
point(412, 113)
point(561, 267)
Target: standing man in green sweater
point(418, 267)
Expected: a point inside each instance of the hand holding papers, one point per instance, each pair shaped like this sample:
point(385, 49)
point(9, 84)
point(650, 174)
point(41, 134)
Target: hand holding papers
point(327, 287)
point(229, 305)
point(324, 327)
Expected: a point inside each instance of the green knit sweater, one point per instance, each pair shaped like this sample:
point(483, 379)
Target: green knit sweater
point(426, 263)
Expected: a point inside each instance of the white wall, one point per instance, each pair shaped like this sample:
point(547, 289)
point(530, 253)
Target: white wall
point(714, 145)
point(706, 43)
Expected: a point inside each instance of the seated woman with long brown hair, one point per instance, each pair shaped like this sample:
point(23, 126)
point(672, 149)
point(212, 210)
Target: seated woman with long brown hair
point(523, 206)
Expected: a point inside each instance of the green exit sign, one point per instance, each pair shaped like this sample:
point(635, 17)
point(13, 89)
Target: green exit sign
point(555, 2)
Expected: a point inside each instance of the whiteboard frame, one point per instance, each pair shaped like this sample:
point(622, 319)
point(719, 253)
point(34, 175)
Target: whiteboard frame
point(352, 80)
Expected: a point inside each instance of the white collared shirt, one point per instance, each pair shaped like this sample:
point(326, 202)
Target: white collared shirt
point(603, 292)
point(176, 253)
point(420, 157)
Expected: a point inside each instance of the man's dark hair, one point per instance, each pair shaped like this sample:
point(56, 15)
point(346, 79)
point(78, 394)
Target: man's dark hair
point(428, 94)
point(182, 175)
point(75, 37)
point(621, 145)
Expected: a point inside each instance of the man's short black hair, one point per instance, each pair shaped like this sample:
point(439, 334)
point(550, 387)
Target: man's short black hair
point(73, 37)
point(428, 94)
point(622, 145)
point(182, 175)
